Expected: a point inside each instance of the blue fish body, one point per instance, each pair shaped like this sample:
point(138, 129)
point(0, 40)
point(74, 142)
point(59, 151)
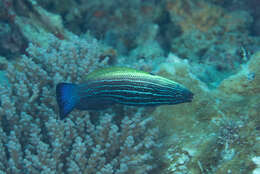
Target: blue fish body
point(126, 86)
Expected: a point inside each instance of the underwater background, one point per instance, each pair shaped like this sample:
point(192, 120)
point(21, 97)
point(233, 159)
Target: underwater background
point(210, 46)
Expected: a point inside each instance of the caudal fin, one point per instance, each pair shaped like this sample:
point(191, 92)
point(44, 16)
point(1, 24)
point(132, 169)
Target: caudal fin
point(67, 98)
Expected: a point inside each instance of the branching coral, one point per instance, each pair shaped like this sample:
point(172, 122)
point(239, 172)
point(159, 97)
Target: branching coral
point(34, 140)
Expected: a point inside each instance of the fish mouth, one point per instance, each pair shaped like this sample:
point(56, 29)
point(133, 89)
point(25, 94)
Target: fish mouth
point(184, 96)
point(190, 98)
point(187, 95)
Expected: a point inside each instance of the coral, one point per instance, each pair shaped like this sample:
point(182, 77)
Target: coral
point(3, 66)
point(199, 14)
point(212, 36)
point(178, 159)
point(23, 22)
point(120, 24)
point(220, 54)
point(212, 134)
point(12, 43)
point(7, 11)
point(229, 132)
point(145, 57)
point(3, 63)
point(210, 46)
point(204, 16)
point(256, 160)
point(34, 140)
point(246, 81)
point(40, 23)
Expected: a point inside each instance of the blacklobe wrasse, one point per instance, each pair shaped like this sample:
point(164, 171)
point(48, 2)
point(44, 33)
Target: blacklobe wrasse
point(126, 86)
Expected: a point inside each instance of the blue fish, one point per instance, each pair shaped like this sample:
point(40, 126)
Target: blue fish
point(108, 86)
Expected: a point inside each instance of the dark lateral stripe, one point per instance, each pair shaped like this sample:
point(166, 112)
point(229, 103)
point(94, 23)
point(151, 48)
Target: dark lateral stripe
point(136, 82)
point(127, 98)
point(134, 97)
point(151, 103)
point(124, 86)
point(115, 87)
point(137, 87)
point(142, 102)
point(130, 93)
point(128, 86)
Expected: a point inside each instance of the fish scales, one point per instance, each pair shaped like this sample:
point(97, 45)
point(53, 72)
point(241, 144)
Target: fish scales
point(109, 86)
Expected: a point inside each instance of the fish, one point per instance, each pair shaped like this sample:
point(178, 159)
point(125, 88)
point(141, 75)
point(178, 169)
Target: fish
point(119, 85)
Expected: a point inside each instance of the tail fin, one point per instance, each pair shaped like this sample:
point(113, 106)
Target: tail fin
point(67, 98)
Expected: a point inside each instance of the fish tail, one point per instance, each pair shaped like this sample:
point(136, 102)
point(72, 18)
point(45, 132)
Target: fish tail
point(67, 98)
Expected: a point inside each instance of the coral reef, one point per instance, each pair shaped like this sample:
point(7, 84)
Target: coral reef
point(22, 22)
point(34, 140)
point(210, 46)
point(122, 28)
point(211, 36)
point(256, 160)
point(246, 82)
point(212, 134)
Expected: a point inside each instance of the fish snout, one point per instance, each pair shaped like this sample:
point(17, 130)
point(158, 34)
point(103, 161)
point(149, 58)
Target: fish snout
point(188, 95)
point(185, 95)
